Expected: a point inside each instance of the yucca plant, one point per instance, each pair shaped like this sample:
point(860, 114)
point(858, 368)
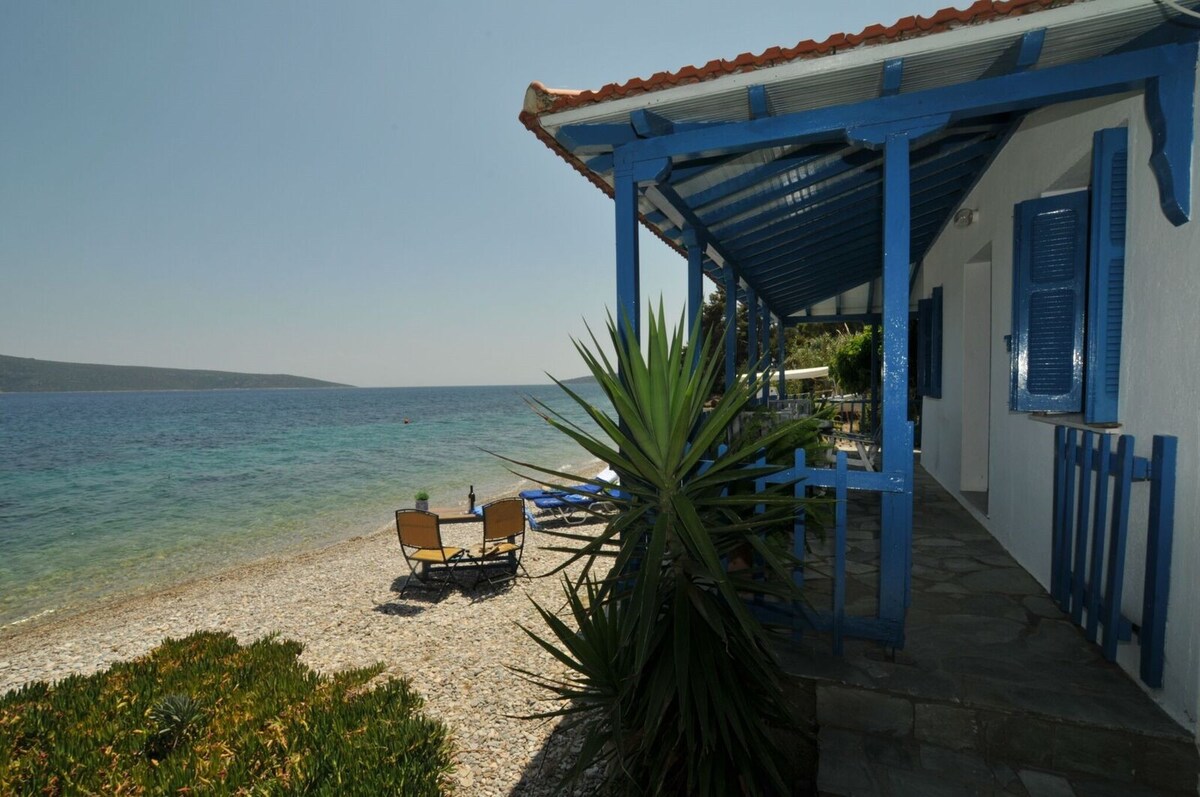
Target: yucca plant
point(672, 682)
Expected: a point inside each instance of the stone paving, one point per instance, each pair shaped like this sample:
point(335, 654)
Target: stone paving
point(995, 690)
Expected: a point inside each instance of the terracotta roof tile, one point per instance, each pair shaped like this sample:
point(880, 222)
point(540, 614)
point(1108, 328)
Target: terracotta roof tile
point(554, 100)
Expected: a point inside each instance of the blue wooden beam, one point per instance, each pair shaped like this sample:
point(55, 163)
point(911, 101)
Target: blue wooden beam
point(1172, 66)
point(756, 98)
point(932, 159)
point(849, 318)
point(1022, 54)
point(760, 174)
point(648, 123)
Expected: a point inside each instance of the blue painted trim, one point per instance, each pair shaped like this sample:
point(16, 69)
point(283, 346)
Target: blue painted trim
point(1106, 275)
point(891, 77)
point(1057, 534)
point(1159, 540)
point(756, 98)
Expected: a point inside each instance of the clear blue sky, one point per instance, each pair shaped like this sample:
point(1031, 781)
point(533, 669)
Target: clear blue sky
point(336, 190)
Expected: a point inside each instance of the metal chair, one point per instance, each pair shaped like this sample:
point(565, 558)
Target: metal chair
point(503, 540)
point(420, 535)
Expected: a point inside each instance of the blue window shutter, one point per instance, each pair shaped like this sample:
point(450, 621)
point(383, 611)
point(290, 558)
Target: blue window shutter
point(924, 338)
point(935, 344)
point(1106, 278)
point(1049, 270)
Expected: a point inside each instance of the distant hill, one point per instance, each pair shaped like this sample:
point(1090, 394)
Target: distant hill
point(578, 380)
point(27, 375)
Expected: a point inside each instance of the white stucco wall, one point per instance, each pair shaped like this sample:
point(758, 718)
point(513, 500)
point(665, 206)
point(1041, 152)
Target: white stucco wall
point(1160, 364)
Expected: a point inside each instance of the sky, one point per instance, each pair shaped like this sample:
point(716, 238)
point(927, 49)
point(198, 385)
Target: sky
point(334, 190)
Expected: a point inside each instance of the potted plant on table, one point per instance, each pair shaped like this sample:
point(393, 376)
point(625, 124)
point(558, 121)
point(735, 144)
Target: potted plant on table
point(422, 498)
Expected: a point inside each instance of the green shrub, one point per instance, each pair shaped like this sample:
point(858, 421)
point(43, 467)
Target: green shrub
point(672, 682)
point(205, 714)
point(851, 366)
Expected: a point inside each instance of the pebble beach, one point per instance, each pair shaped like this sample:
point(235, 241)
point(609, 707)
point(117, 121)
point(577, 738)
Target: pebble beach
point(343, 603)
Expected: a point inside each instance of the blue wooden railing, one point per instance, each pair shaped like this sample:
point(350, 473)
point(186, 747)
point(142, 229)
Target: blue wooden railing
point(1091, 531)
point(895, 539)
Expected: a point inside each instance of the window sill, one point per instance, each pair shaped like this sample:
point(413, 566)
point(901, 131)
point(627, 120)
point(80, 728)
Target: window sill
point(1074, 420)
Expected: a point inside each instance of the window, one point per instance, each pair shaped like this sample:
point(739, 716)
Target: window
point(1068, 284)
point(929, 345)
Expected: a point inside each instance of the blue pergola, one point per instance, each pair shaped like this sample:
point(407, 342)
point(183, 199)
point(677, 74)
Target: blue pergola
point(810, 199)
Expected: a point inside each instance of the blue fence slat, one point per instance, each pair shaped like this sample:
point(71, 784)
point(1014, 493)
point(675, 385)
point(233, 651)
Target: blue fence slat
point(1100, 517)
point(1079, 572)
point(1116, 550)
point(1158, 559)
point(839, 554)
point(1064, 564)
point(798, 525)
point(1058, 530)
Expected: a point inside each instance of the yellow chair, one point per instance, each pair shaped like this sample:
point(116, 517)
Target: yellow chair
point(503, 540)
point(420, 535)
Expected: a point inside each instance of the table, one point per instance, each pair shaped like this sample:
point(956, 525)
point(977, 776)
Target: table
point(455, 516)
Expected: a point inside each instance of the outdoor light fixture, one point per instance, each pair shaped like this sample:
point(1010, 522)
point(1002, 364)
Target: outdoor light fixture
point(965, 217)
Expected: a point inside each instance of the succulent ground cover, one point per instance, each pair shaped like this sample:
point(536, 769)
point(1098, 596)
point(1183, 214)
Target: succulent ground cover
point(204, 714)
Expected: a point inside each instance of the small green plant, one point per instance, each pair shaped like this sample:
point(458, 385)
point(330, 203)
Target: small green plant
point(206, 715)
point(175, 719)
point(422, 495)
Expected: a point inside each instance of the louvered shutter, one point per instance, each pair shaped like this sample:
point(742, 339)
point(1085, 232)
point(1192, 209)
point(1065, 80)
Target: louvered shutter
point(924, 338)
point(1106, 278)
point(1049, 271)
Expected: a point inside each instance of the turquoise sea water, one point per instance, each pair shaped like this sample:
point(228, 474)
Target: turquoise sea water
point(106, 493)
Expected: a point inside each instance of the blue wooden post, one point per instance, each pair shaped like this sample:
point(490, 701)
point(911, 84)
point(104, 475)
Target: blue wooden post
point(695, 295)
point(628, 270)
point(896, 530)
point(731, 289)
point(1079, 570)
point(782, 357)
point(751, 338)
point(765, 345)
point(1158, 559)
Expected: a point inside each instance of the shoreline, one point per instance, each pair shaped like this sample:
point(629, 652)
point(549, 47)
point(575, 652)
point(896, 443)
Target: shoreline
point(293, 550)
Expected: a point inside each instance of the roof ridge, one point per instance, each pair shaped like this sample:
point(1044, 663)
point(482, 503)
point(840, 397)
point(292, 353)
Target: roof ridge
point(541, 99)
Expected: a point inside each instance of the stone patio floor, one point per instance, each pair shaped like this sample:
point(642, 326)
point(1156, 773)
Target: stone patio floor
point(995, 690)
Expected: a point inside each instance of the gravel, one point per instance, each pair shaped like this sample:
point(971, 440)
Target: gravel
point(342, 602)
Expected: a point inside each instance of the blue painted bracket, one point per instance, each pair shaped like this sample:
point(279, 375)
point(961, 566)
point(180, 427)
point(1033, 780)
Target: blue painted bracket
point(1170, 101)
point(893, 74)
point(756, 96)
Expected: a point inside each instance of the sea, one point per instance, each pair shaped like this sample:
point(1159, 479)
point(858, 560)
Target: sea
point(107, 494)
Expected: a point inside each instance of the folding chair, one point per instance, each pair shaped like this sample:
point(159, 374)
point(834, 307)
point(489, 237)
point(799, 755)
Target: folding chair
point(420, 535)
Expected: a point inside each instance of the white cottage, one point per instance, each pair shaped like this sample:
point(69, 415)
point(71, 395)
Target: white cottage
point(1019, 179)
